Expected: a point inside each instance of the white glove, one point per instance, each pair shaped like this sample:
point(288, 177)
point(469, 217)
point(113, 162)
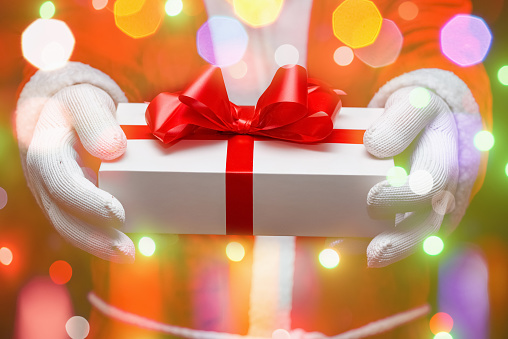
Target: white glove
point(443, 153)
point(60, 107)
point(437, 137)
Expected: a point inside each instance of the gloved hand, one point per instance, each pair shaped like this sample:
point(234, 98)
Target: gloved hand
point(63, 108)
point(432, 126)
point(422, 201)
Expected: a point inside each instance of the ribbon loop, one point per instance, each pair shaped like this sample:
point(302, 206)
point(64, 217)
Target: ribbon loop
point(292, 108)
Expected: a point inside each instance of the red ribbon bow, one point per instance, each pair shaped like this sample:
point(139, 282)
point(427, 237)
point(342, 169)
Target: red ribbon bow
point(292, 108)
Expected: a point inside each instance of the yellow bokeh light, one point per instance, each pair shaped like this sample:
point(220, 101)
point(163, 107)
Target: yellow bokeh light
point(47, 44)
point(138, 18)
point(357, 23)
point(235, 251)
point(258, 12)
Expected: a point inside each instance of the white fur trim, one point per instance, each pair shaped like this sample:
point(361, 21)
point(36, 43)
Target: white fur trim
point(44, 84)
point(467, 118)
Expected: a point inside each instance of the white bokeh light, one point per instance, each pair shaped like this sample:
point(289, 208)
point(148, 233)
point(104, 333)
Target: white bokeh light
point(281, 334)
point(77, 327)
point(286, 55)
point(343, 56)
point(421, 182)
point(47, 44)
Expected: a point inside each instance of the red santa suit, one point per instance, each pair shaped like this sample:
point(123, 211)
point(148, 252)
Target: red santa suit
point(189, 282)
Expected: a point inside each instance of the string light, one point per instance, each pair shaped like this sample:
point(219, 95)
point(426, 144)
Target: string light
point(60, 272)
point(47, 10)
point(258, 13)
point(433, 245)
point(77, 327)
point(502, 75)
point(441, 322)
point(3, 198)
point(222, 41)
point(173, 7)
point(47, 44)
point(483, 140)
point(235, 251)
point(357, 23)
point(465, 40)
point(329, 258)
point(5, 256)
point(146, 246)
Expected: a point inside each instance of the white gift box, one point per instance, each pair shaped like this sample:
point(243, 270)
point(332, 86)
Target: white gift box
point(298, 189)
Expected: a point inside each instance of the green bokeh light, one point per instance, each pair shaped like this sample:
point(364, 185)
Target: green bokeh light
point(329, 258)
point(47, 10)
point(433, 245)
point(146, 246)
point(419, 97)
point(502, 75)
point(443, 335)
point(484, 140)
point(396, 176)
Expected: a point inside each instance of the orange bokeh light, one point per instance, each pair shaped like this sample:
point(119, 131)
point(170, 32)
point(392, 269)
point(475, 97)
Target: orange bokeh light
point(441, 322)
point(60, 272)
point(408, 10)
point(138, 18)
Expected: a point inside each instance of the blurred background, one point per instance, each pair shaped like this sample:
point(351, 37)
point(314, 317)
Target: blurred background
point(474, 261)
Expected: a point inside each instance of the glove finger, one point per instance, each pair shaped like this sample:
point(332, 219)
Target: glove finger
point(407, 237)
point(407, 112)
point(92, 113)
point(51, 160)
point(434, 169)
point(106, 243)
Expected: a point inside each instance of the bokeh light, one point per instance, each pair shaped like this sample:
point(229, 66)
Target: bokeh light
point(238, 70)
point(235, 251)
point(433, 245)
point(222, 41)
point(77, 327)
point(5, 256)
point(408, 10)
point(99, 4)
point(138, 19)
point(502, 75)
point(329, 258)
point(396, 176)
point(47, 10)
point(483, 140)
point(60, 272)
point(357, 23)
point(385, 49)
point(42, 310)
point(419, 97)
point(443, 335)
point(421, 182)
point(281, 334)
point(146, 246)
point(3, 198)
point(506, 169)
point(259, 12)
point(286, 55)
point(173, 7)
point(343, 56)
point(47, 44)
point(465, 40)
point(441, 322)
point(443, 202)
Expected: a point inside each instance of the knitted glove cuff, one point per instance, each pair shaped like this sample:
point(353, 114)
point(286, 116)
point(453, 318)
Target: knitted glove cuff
point(44, 84)
point(467, 118)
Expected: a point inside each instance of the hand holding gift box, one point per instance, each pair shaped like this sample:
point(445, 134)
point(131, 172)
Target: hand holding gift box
point(221, 183)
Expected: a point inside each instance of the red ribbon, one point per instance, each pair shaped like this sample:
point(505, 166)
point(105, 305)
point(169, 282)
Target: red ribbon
point(293, 108)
